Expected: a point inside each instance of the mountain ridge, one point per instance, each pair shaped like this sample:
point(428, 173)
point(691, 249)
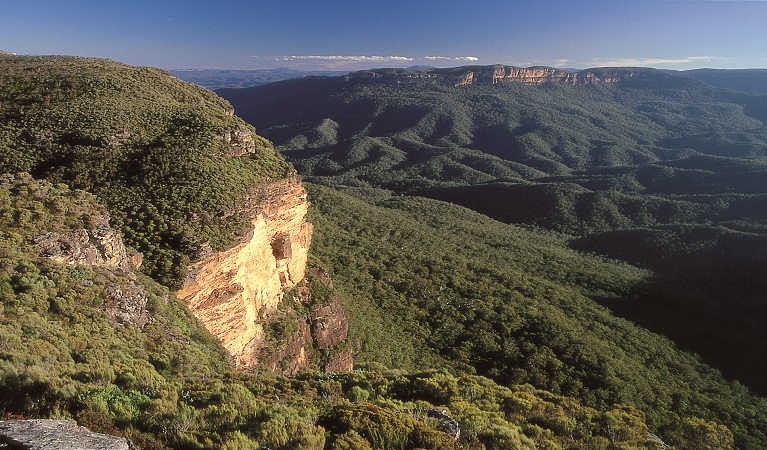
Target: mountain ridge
point(493, 74)
point(525, 355)
point(621, 168)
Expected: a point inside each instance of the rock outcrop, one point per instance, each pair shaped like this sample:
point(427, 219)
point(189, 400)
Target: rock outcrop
point(287, 347)
point(445, 423)
point(485, 75)
point(533, 76)
point(42, 434)
point(126, 304)
point(340, 362)
point(240, 141)
point(98, 246)
point(329, 325)
point(234, 292)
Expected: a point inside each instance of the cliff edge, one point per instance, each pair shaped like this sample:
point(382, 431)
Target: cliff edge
point(496, 74)
point(237, 293)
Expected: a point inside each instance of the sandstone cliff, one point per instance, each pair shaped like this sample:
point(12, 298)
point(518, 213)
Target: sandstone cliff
point(468, 75)
point(236, 293)
point(534, 76)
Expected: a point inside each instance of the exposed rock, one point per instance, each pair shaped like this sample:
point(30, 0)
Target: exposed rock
point(233, 291)
point(127, 304)
point(340, 362)
point(117, 138)
point(136, 259)
point(99, 246)
point(55, 435)
point(467, 78)
point(657, 440)
point(445, 423)
point(289, 356)
point(102, 247)
point(532, 75)
point(236, 293)
point(240, 141)
point(486, 75)
point(329, 324)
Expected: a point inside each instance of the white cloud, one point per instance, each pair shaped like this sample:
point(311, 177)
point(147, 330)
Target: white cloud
point(451, 58)
point(357, 62)
point(360, 58)
point(652, 62)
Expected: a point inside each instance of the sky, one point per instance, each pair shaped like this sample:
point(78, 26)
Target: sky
point(360, 34)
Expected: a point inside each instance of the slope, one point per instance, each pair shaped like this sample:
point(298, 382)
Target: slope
point(85, 337)
point(169, 159)
point(515, 305)
point(660, 171)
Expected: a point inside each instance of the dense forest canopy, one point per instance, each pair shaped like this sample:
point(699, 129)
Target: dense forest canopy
point(664, 172)
point(157, 151)
point(515, 323)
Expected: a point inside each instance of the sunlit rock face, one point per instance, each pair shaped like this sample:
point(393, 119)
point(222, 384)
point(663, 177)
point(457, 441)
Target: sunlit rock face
point(233, 292)
point(536, 75)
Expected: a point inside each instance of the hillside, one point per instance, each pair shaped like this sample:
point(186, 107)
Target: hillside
point(512, 304)
point(659, 171)
point(156, 151)
point(466, 332)
point(88, 338)
point(85, 336)
point(625, 161)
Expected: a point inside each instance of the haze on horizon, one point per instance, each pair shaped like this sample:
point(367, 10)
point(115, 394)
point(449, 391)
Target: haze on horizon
point(352, 35)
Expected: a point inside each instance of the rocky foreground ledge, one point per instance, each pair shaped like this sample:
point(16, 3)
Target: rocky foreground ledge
point(42, 434)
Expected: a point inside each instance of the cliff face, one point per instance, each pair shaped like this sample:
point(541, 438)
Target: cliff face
point(533, 75)
point(234, 292)
point(481, 75)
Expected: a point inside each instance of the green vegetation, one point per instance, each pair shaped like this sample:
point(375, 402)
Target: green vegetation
point(459, 321)
point(156, 151)
point(168, 384)
point(659, 171)
point(514, 305)
point(427, 133)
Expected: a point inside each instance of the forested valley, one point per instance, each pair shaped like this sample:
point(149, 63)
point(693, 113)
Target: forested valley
point(522, 266)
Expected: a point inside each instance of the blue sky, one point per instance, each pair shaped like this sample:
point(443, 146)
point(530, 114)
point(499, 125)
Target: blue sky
point(342, 34)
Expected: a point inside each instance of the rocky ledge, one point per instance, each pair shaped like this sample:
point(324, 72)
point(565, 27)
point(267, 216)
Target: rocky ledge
point(42, 434)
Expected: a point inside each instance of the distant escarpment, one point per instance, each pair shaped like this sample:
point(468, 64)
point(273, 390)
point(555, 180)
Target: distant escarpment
point(484, 75)
point(538, 75)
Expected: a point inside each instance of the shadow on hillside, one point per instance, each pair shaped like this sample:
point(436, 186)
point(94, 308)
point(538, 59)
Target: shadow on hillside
point(717, 310)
